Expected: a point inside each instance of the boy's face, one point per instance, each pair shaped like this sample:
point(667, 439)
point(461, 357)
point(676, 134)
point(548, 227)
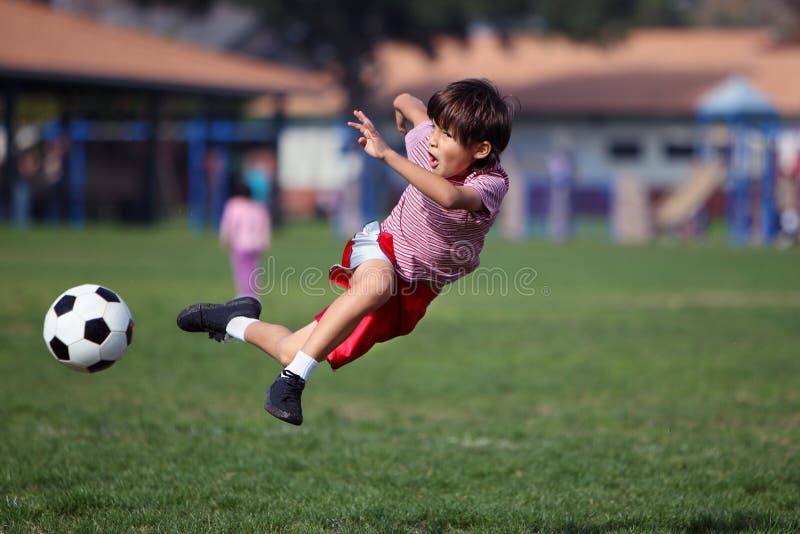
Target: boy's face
point(448, 157)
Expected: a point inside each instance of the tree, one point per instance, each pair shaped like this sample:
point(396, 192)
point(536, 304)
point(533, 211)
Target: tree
point(342, 35)
point(783, 16)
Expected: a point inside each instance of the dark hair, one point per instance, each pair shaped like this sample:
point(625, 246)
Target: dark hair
point(472, 111)
point(241, 189)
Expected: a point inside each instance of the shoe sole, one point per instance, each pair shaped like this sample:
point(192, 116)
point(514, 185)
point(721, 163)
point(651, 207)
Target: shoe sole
point(195, 308)
point(281, 414)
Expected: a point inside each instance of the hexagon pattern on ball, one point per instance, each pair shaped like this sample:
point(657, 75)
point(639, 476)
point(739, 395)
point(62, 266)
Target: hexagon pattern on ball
point(84, 353)
point(96, 330)
point(64, 305)
point(114, 346)
point(90, 306)
point(82, 289)
point(50, 322)
point(99, 366)
point(88, 328)
point(107, 294)
point(117, 316)
point(69, 328)
point(129, 332)
point(59, 350)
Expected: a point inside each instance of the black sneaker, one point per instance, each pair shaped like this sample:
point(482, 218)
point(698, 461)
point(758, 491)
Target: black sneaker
point(213, 318)
point(283, 398)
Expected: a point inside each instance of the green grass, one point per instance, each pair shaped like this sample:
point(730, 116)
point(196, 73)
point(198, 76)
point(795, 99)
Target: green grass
point(648, 389)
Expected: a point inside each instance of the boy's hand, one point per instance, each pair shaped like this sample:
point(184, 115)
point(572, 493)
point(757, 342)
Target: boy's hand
point(370, 139)
point(401, 121)
point(408, 109)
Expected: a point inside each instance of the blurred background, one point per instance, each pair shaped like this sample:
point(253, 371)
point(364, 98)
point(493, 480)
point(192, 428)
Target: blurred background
point(638, 119)
point(625, 359)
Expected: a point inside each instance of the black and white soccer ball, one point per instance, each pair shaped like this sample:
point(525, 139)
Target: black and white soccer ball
point(88, 328)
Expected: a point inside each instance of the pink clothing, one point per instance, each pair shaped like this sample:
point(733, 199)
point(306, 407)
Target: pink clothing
point(244, 264)
point(435, 244)
point(245, 225)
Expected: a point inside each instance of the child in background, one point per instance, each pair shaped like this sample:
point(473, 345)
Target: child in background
point(246, 231)
point(394, 269)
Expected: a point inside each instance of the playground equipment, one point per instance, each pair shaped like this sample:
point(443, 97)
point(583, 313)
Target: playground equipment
point(738, 127)
point(206, 193)
point(630, 212)
point(686, 201)
point(561, 170)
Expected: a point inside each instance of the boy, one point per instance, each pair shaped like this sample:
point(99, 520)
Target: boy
point(392, 270)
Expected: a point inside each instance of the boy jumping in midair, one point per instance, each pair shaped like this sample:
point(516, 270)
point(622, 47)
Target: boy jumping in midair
point(394, 269)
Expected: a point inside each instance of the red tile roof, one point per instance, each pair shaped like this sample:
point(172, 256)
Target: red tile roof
point(652, 72)
point(37, 43)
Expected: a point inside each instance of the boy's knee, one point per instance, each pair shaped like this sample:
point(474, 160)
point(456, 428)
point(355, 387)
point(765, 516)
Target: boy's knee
point(381, 296)
point(373, 295)
point(374, 287)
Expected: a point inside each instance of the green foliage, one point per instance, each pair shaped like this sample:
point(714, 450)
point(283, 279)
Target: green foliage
point(649, 389)
point(344, 34)
point(601, 20)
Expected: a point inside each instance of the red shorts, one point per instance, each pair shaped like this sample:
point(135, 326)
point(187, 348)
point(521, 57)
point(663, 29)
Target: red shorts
point(397, 317)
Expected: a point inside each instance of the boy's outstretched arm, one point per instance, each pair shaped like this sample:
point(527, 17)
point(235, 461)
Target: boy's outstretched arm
point(433, 186)
point(408, 108)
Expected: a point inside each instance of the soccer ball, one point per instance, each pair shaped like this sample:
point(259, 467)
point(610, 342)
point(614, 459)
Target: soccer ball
point(88, 328)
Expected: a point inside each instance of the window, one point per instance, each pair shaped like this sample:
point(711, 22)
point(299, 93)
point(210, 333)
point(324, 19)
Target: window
point(678, 150)
point(625, 149)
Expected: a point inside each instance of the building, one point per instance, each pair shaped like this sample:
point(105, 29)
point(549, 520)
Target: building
point(630, 105)
point(139, 114)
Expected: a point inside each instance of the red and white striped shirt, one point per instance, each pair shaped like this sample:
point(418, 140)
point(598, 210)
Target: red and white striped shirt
point(434, 244)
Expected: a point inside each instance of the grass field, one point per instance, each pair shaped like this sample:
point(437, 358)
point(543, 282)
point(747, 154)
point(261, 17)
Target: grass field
point(612, 389)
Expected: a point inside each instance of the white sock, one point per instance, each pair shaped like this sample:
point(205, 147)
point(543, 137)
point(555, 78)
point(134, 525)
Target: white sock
point(302, 365)
point(238, 325)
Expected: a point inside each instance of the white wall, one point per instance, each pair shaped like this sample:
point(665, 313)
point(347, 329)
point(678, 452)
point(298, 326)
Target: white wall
point(591, 141)
point(311, 156)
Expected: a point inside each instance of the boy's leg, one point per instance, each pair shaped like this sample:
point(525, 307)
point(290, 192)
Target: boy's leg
point(221, 319)
point(371, 285)
point(277, 340)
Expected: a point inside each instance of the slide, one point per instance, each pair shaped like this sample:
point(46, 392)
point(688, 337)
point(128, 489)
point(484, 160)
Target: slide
point(687, 199)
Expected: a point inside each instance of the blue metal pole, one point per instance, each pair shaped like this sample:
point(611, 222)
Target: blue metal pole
point(52, 133)
point(196, 136)
point(8, 168)
point(221, 180)
point(223, 133)
point(768, 211)
point(741, 183)
point(79, 133)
